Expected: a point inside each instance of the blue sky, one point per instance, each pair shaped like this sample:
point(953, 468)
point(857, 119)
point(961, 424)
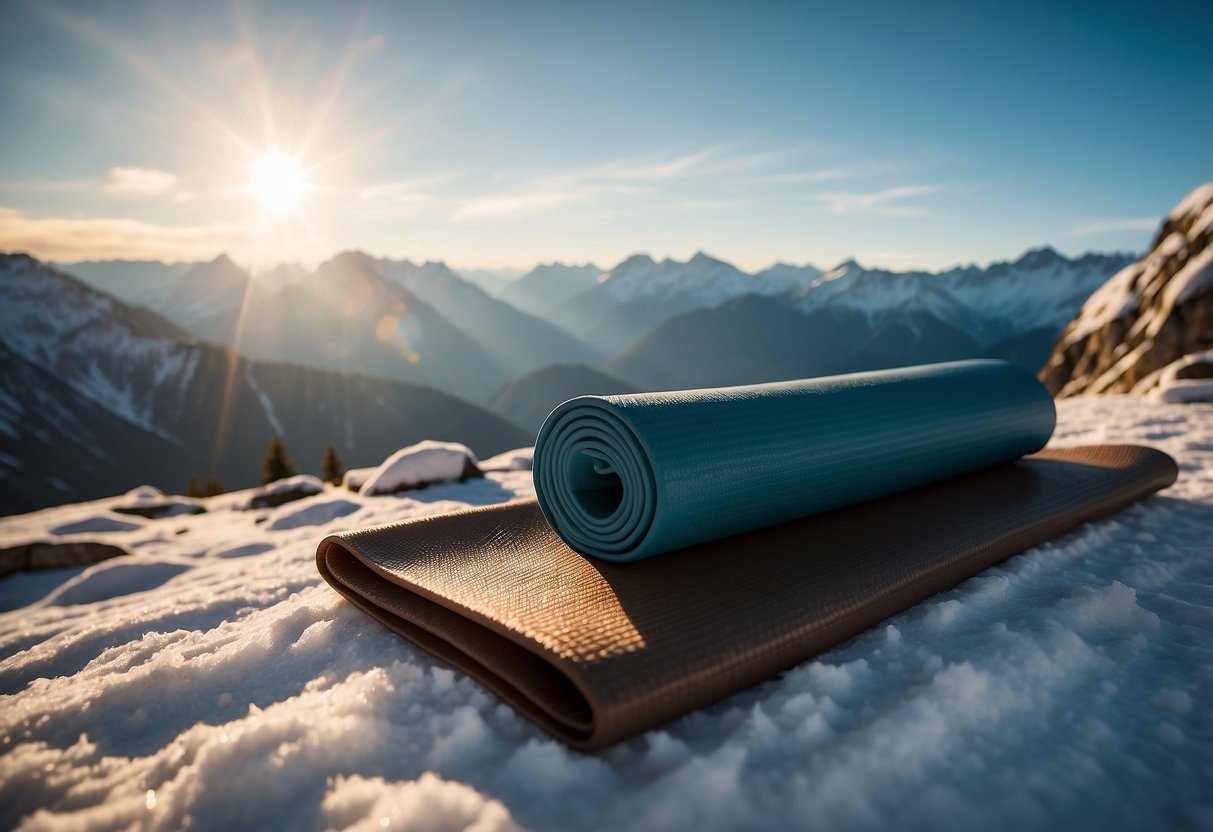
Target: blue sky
point(505, 134)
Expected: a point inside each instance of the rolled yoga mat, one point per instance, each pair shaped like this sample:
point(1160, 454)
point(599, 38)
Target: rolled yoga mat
point(628, 477)
point(595, 652)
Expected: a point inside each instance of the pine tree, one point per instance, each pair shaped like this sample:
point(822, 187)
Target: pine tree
point(331, 469)
point(213, 486)
point(277, 463)
point(192, 489)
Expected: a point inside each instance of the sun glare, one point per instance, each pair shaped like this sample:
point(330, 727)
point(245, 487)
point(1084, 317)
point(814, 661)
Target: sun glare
point(278, 181)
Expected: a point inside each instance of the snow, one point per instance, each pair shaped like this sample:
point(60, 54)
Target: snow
point(1167, 385)
point(355, 478)
point(211, 680)
point(267, 406)
point(710, 282)
point(425, 463)
point(250, 498)
point(519, 459)
point(1040, 289)
point(1192, 279)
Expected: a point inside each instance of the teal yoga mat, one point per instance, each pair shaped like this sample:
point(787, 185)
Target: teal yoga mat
point(631, 476)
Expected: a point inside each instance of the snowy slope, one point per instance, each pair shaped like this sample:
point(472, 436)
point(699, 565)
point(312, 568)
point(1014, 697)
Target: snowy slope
point(211, 680)
point(1042, 289)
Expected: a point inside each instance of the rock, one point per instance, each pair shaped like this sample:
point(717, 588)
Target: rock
point(1148, 316)
point(43, 555)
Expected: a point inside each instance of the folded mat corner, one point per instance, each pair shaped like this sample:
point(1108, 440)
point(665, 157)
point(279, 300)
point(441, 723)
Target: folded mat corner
point(595, 652)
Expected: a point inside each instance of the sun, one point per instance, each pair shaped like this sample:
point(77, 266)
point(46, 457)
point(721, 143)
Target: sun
point(279, 182)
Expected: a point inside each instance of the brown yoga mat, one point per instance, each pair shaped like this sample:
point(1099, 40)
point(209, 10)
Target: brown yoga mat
point(596, 652)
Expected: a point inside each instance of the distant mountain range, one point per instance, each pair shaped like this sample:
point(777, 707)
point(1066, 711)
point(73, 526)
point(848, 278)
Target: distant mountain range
point(422, 324)
point(97, 396)
point(851, 318)
point(162, 370)
point(527, 401)
point(1151, 324)
point(547, 286)
point(659, 324)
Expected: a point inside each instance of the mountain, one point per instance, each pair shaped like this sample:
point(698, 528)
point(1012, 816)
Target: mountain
point(546, 286)
point(521, 342)
point(416, 323)
point(140, 282)
point(851, 318)
point(347, 316)
point(490, 280)
point(208, 299)
point(641, 292)
point(1042, 289)
point(785, 277)
point(527, 401)
point(92, 384)
point(756, 339)
point(57, 444)
point(1148, 316)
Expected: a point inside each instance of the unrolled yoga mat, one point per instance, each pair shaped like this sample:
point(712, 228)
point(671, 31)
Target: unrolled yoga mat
point(595, 652)
point(631, 476)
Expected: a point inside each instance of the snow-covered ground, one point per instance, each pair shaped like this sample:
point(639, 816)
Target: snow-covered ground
point(211, 680)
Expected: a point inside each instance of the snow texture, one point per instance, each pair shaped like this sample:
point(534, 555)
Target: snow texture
point(211, 680)
point(425, 463)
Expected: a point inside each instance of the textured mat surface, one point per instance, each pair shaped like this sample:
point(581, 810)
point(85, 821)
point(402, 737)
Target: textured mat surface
point(595, 652)
point(627, 477)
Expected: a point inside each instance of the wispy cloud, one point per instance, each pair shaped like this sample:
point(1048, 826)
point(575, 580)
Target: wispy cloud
point(66, 240)
point(525, 203)
point(139, 181)
point(1105, 226)
point(406, 191)
point(830, 173)
point(888, 202)
point(618, 177)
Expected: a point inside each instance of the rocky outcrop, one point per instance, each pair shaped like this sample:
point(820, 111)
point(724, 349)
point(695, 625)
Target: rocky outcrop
point(44, 555)
point(1148, 316)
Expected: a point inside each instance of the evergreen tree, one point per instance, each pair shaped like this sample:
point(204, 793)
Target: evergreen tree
point(213, 486)
point(192, 489)
point(331, 469)
point(277, 463)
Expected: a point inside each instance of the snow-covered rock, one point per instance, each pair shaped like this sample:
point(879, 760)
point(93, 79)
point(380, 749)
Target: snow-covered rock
point(355, 478)
point(1149, 315)
point(152, 503)
point(519, 459)
point(1068, 687)
point(425, 463)
point(281, 491)
point(1188, 379)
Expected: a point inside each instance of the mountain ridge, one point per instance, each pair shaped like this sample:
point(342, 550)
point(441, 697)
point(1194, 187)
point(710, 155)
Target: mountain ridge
point(98, 355)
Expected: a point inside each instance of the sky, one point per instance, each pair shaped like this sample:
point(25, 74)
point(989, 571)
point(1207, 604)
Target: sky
point(491, 134)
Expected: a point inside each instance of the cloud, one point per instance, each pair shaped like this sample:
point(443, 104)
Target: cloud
point(407, 191)
point(830, 173)
point(67, 240)
point(1107, 226)
point(524, 203)
point(877, 202)
point(621, 176)
point(139, 181)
